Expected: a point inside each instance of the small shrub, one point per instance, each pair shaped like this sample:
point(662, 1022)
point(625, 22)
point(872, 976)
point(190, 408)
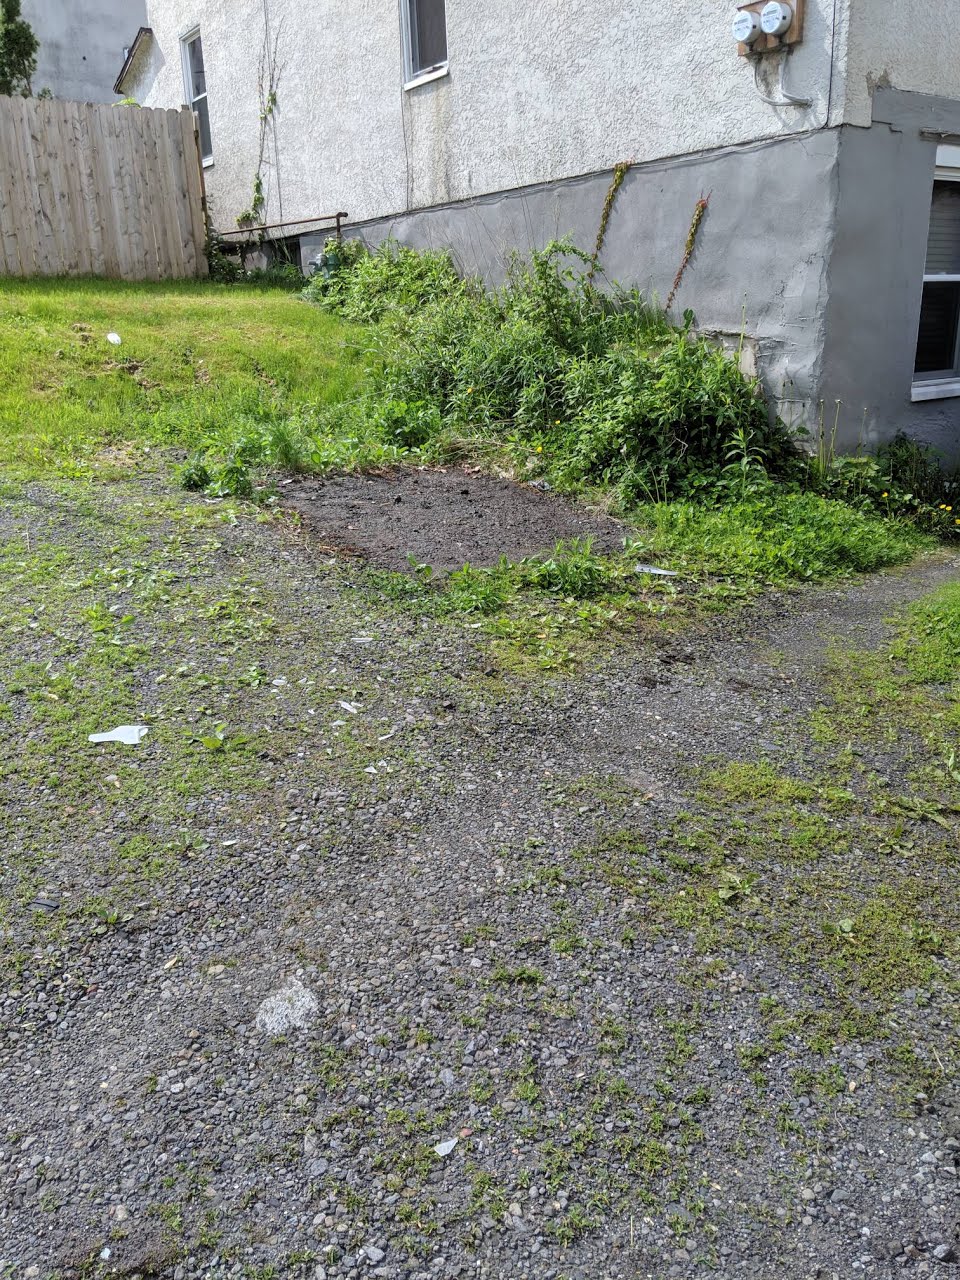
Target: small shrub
point(599, 382)
point(366, 287)
point(194, 474)
point(280, 274)
point(572, 570)
point(904, 480)
point(780, 536)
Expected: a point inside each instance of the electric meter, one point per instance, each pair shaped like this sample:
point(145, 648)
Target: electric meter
point(775, 18)
point(746, 27)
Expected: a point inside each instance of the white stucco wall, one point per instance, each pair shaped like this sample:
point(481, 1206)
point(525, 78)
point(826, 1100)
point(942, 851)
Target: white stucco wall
point(536, 91)
point(82, 44)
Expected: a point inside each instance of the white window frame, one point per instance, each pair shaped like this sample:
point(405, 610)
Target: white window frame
point(937, 386)
point(412, 78)
point(186, 40)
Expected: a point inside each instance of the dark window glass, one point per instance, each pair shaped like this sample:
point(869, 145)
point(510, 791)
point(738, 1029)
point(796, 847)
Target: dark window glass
point(939, 315)
point(203, 118)
point(197, 91)
point(198, 81)
point(428, 31)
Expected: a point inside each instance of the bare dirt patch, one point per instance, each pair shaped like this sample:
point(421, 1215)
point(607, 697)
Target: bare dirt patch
point(444, 518)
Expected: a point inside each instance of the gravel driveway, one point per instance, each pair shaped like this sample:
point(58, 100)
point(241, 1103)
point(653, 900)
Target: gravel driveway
point(372, 960)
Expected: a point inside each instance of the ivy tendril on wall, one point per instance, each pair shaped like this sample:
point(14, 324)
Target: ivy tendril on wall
point(619, 173)
point(268, 83)
point(699, 209)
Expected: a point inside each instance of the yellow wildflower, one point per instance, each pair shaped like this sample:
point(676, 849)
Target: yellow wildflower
point(884, 494)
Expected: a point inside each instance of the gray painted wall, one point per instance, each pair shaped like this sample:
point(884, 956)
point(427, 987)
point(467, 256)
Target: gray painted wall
point(875, 278)
point(82, 44)
point(761, 255)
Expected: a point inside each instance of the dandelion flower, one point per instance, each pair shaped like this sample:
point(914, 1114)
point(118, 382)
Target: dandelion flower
point(884, 494)
point(540, 450)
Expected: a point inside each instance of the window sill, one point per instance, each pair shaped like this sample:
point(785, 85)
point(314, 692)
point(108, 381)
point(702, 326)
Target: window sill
point(208, 162)
point(438, 73)
point(940, 389)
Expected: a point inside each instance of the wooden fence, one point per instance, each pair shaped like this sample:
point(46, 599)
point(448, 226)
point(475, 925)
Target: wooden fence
point(100, 190)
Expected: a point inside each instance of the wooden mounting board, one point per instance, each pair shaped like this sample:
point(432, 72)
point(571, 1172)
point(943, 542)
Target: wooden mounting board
point(768, 44)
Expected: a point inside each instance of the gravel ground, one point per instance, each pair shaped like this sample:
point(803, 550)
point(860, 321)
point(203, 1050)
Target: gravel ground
point(371, 961)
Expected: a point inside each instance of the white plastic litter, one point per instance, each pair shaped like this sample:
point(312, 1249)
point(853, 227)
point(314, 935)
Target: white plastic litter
point(131, 735)
point(660, 573)
point(444, 1148)
point(114, 339)
point(292, 1007)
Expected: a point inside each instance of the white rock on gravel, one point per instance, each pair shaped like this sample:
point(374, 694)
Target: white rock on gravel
point(291, 1008)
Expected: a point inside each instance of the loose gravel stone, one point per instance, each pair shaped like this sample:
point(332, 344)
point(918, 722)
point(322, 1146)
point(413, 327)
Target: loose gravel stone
point(251, 991)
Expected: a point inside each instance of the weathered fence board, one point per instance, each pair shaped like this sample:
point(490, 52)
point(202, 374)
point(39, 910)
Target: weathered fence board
point(101, 190)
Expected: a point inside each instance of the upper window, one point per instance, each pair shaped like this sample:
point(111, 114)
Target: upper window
point(195, 81)
point(425, 37)
point(937, 367)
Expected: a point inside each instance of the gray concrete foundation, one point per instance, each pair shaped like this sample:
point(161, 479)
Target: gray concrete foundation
point(759, 263)
point(876, 276)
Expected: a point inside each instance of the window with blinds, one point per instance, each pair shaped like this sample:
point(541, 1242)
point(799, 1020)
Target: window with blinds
point(938, 341)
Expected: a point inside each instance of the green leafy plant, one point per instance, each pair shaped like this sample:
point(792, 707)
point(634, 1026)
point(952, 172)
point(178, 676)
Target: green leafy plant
point(734, 886)
point(572, 570)
point(18, 51)
point(842, 930)
point(596, 386)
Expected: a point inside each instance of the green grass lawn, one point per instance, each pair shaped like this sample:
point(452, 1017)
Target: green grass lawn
point(250, 381)
point(194, 358)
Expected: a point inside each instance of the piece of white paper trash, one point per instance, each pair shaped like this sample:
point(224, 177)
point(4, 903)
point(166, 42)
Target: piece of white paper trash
point(114, 339)
point(130, 735)
point(660, 573)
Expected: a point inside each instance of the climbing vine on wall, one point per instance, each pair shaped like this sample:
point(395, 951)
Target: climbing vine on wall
point(268, 82)
point(700, 208)
point(619, 173)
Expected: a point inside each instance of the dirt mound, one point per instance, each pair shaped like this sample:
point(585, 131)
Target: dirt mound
point(444, 518)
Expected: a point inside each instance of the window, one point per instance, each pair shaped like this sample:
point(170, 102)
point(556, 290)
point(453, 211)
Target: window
point(195, 81)
point(425, 37)
point(937, 367)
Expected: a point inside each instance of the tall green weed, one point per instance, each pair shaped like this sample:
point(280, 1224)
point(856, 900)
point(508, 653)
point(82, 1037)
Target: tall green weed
point(599, 382)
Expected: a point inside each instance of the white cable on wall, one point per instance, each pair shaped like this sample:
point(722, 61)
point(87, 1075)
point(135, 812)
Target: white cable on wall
point(786, 99)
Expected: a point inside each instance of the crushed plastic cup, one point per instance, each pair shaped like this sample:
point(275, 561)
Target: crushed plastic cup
point(131, 735)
